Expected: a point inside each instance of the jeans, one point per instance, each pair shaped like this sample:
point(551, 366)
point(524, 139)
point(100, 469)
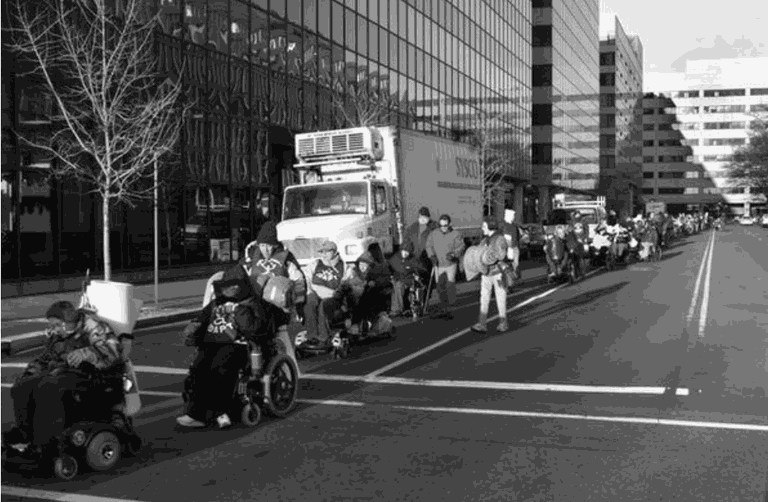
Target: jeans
point(491, 284)
point(214, 379)
point(39, 403)
point(398, 297)
point(445, 282)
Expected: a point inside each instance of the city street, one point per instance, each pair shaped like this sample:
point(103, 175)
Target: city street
point(647, 383)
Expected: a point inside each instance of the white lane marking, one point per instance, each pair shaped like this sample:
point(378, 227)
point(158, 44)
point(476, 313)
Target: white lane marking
point(695, 298)
point(419, 353)
point(14, 491)
point(705, 294)
point(598, 418)
point(510, 386)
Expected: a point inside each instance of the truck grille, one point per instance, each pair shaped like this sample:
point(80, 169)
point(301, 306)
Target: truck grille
point(304, 249)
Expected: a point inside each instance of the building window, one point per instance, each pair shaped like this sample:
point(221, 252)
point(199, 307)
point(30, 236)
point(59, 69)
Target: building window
point(607, 162)
point(608, 79)
point(671, 191)
point(722, 93)
point(647, 191)
point(542, 4)
point(687, 110)
point(649, 111)
point(541, 153)
point(648, 127)
point(760, 107)
point(648, 142)
point(672, 175)
point(690, 142)
point(725, 109)
point(760, 91)
point(687, 94)
point(648, 174)
point(542, 36)
point(671, 158)
point(608, 100)
point(607, 120)
point(607, 141)
point(542, 114)
point(691, 190)
point(724, 141)
point(669, 142)
point(542, 75)
point(607, 58)
point(691, 174)
point(725, 125)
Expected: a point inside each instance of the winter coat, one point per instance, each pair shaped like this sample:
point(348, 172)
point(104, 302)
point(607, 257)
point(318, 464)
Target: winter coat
point(446, 247)
point(402, 269)
point(495, 253)
point(223, 321)
point(418, 239)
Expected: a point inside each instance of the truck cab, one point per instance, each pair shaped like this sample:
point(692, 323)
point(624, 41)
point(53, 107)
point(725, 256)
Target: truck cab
point(346, 193)
point(592, 214)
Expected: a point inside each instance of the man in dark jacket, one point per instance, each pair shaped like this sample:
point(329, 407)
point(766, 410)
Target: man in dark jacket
point(370, 285)
point(491, 283)
point(75, 338)
point(404, 266)
point(234, 313)
point(417, 233)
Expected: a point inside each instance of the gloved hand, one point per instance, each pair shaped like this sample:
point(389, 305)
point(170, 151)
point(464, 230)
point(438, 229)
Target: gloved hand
point(189, 334)
point(76, 358)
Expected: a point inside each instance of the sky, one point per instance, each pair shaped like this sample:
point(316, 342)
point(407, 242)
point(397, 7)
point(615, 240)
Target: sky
point(673, 31)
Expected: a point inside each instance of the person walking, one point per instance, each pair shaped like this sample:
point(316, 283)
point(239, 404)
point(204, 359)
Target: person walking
point(416, 234)
point(494, 253)
point(444, 248)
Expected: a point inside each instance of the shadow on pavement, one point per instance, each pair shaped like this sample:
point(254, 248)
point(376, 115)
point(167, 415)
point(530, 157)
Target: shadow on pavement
point(668, 255)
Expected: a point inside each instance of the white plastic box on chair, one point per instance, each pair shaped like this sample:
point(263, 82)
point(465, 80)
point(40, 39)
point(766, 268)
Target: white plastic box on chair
point(113, 303)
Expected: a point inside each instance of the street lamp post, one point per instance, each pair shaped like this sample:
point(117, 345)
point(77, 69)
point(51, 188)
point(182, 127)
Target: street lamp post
point(157, 241)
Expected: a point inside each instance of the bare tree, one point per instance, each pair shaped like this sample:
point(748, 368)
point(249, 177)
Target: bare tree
point(493, 158)
point(749, 163)
point(115, 118)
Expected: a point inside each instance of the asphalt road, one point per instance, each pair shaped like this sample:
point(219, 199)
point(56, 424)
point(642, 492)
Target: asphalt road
point(610, 389)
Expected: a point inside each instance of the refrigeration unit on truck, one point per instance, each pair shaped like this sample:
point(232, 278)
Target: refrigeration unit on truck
point(361, 187)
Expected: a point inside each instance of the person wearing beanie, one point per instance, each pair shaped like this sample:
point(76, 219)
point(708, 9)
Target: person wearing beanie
point(494, 253)
point(75, 338)
point(370, 284)
point(269, 258)
point(233, 314)
point(404, 267)
point(416, 235)
point(444, 248)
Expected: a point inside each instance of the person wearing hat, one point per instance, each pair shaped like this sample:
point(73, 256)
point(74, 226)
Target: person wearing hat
point(269, 258)
point(404, 265)
point(76, 340)
point(233, 313)
point(324, 298)
point(370, 284)
point(416, 235)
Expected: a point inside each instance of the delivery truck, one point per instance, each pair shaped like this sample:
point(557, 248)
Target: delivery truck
point(361, 187)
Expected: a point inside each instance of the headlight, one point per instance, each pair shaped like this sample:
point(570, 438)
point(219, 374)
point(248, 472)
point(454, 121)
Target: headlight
point(352, 250)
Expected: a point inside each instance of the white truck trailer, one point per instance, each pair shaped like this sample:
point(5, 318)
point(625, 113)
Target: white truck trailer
point(361, 187)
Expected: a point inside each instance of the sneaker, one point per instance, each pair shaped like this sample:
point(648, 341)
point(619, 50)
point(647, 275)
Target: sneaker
point(187, 421)
point(503, 326)
point(223, 421)
point(479, 328)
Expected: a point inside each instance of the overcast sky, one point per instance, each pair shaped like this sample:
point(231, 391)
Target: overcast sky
point(673, 31)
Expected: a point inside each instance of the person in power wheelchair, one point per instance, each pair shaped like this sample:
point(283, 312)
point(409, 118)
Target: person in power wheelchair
point(410, 279)
point(233, 315)
point(78, 377)
point(325, 306)
point(370, 284)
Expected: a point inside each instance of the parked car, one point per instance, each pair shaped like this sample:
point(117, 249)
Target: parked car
point(764, 220)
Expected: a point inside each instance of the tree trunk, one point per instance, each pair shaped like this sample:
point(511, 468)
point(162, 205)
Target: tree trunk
point(105, 234)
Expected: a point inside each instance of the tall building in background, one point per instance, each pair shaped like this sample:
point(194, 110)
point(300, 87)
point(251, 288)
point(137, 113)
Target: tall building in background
point(621, 119)
point(566, 70)
point(715, 101)
point(260, 71)
point(670, 171)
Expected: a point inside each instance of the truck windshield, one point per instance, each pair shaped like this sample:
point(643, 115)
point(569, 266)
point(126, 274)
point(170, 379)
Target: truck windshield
point(321, 200)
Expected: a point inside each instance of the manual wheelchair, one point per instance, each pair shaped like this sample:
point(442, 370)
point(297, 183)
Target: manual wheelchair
point(272, 387)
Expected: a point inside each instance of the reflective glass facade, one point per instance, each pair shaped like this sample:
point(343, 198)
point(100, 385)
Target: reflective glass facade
point(258, 72)
point(565, 80)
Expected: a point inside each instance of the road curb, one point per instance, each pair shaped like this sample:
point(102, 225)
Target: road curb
point(38, 339)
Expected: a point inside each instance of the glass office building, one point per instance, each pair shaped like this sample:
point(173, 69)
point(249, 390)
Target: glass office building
point(566, 109)
point(258, 72)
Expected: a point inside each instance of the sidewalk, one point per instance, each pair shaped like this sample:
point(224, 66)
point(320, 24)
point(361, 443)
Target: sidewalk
point(23, 319)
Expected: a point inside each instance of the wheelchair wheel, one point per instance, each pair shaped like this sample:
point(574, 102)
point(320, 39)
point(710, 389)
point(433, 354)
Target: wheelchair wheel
point(283, 385)
point(103, 451)
point(65, 467)
point(250, 415)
